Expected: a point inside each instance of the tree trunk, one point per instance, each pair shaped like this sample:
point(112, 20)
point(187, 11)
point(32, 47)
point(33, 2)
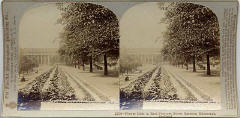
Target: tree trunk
point(194, 64)
point(90, 63)
point(208, 65)
point(83, 65)
point(78, 64)
point(75, 65)
point(105, 65)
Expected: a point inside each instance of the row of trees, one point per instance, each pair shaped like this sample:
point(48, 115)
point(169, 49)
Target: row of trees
point(193, 34)
point(27, 64)
point(91, 33)
point(128, 64)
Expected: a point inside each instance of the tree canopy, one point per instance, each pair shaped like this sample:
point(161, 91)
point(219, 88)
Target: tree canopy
point(193, 32)
point(90, 31)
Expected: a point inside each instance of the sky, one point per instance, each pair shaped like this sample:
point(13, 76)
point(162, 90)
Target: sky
point(140, 26)
point(38, 27)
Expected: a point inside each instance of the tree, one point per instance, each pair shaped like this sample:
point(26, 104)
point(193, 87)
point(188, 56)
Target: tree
point(128, 64)
point(193, 32)
point(26, 64)
point(91, 30)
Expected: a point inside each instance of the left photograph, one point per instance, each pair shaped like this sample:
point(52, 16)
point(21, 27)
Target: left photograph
point(68, 56)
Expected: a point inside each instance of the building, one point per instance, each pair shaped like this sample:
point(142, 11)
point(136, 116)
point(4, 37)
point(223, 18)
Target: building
point(144, 55)
point(42, 55)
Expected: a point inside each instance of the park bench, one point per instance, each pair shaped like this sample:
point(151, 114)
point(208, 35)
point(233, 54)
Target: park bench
point(98, 67)
point(201, 66)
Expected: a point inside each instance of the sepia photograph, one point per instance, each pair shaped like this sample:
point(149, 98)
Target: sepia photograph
point(169, 57)
point(68, 53)
point(104, 58)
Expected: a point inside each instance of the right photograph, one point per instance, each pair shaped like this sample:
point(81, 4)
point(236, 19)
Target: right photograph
point(170, 57)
